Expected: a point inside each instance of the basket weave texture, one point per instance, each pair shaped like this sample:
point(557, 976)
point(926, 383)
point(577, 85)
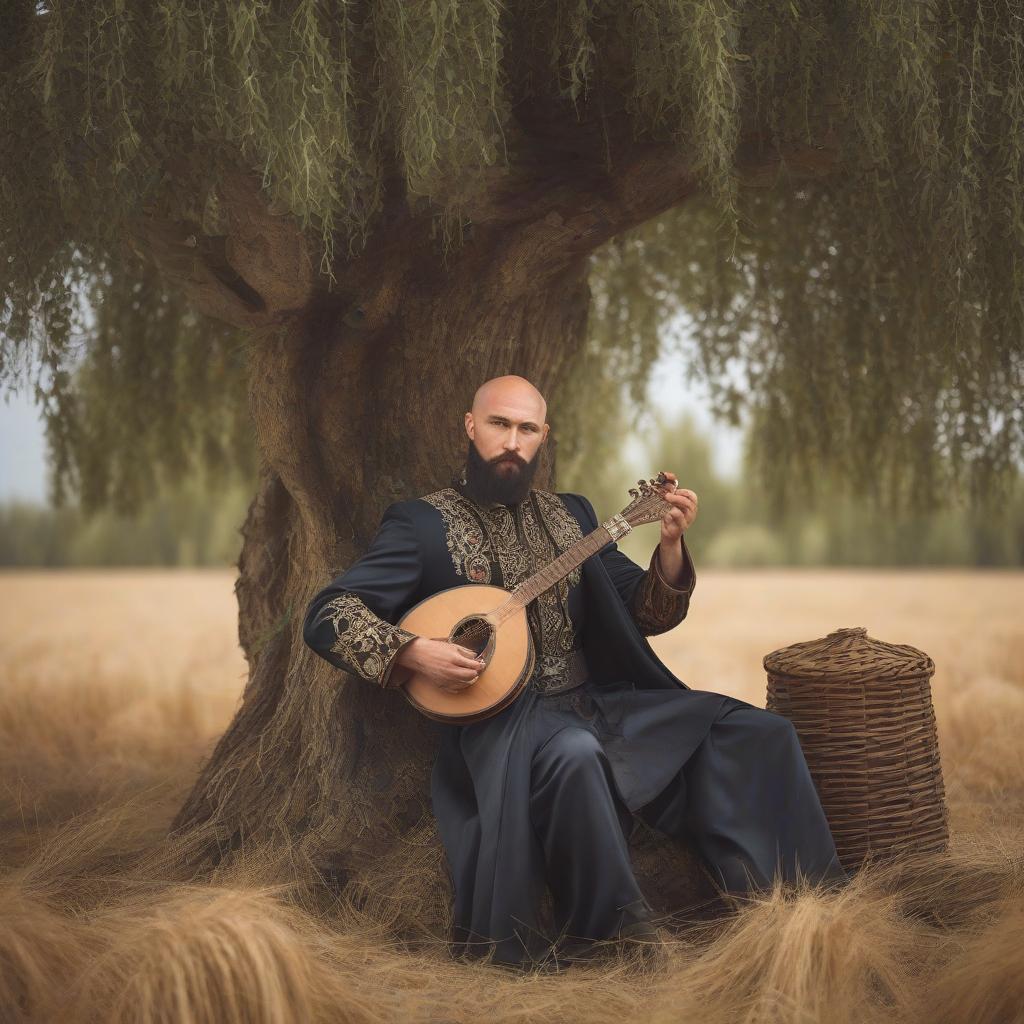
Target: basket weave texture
point(863, 712)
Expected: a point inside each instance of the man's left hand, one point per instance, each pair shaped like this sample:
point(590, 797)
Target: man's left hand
point(678, 519)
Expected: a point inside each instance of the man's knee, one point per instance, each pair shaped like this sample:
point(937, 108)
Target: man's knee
point(774, 722)
point(569, 750)
point(767, 728)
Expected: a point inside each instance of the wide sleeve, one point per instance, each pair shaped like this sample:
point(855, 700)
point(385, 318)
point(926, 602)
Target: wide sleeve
point(655, 605)
point(350, 622)
point(658, 605)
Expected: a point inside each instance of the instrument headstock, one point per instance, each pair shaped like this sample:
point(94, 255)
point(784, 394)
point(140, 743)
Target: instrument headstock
point(648, 504)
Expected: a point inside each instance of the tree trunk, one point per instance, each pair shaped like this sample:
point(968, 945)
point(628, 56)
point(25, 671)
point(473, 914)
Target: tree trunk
point(350, 418)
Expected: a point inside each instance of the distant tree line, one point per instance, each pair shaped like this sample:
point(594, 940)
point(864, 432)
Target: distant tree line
point(193, 525)
point(739, 526)
point(184, 525)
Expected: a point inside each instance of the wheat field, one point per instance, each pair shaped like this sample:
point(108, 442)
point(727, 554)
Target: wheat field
point(115, 684)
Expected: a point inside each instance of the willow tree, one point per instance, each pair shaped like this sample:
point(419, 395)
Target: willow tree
point(320, 224)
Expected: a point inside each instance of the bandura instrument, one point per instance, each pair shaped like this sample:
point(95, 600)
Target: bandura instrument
point(492, 622)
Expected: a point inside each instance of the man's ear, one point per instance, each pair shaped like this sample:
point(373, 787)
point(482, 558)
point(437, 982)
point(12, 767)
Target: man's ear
point(470, 428)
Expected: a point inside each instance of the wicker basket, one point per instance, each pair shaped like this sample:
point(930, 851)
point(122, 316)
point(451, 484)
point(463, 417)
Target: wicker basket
point(863, 711)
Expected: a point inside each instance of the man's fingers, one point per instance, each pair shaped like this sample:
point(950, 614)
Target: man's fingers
point(453, 685)
point(681, 492)
point(470, 662)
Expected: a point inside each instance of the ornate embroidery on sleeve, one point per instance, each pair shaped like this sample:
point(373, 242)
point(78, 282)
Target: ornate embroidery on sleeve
point(365, 641)
point(657, 605)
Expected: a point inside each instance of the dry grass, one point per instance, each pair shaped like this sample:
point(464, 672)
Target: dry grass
point(115, 684)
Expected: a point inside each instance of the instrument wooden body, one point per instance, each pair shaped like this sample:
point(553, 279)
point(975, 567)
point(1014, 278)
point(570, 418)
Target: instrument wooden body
point(492, 621)
point(508, 653)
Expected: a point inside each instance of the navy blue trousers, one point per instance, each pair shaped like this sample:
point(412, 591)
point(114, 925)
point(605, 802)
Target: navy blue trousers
point(744, 799)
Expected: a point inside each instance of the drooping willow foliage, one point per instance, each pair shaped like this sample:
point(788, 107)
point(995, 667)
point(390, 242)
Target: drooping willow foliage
point(155, 391)
point(851, 376)
point(875, 313)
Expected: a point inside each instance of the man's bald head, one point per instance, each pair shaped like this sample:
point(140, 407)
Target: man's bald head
point(509, 390)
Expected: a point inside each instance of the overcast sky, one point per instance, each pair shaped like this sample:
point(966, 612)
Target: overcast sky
point(23, 453)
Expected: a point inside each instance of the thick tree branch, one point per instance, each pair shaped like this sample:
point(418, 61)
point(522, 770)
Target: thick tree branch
point(259, 273)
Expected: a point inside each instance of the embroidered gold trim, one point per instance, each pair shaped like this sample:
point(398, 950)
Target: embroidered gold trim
point(520, 546)
point(551, 609)
point(556, 673)
point(563, 525)
point(514, 555)
point(365, 641)
point(466, 541)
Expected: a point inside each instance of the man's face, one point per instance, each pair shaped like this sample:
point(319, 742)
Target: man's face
point(506, 435)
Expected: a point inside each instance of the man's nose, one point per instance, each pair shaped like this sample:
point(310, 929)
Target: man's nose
point(512, 442)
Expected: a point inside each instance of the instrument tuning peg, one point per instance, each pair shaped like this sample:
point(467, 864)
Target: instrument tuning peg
point(634, 492)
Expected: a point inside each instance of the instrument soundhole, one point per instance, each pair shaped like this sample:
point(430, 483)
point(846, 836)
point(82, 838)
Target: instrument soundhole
point(476, 633)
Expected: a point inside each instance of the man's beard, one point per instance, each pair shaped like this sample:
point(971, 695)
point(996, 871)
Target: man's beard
point(488, 484)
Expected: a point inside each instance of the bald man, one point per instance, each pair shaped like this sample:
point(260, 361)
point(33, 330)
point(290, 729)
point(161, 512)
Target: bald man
point(544, 793)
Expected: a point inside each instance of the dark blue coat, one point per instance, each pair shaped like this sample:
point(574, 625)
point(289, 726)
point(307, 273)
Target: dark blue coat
point(648, 721)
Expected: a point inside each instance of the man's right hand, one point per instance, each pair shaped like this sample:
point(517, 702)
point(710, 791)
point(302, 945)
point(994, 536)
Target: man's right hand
point(449, 666)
